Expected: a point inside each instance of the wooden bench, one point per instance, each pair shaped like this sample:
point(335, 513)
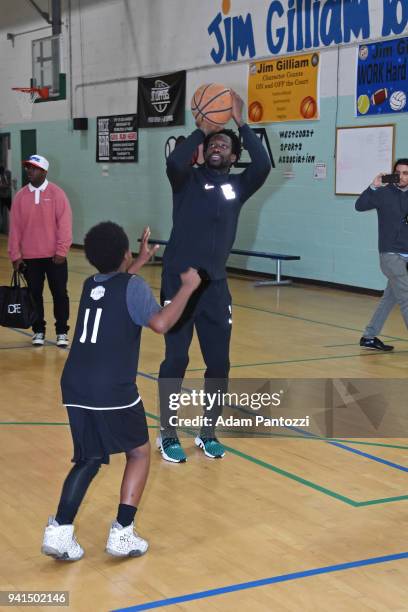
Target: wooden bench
point(278, 257)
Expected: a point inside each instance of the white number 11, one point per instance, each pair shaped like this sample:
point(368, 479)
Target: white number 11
point(95, 326)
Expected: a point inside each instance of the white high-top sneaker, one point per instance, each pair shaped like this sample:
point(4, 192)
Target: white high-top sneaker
point(59, 542)
point(124, 542)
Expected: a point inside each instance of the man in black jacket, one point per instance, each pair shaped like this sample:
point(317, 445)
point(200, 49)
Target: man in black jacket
point(391, 203)
point(206, 206)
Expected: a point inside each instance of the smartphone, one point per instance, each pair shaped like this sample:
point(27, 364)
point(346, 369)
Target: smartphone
point(392, 179)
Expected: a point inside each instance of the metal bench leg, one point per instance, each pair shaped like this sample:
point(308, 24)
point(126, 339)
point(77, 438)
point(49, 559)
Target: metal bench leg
point(278, 280)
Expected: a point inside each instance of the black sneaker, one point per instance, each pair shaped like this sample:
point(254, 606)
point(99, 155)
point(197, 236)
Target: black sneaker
point(375, 344)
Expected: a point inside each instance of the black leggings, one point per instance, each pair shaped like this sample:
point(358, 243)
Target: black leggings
point(75, 487)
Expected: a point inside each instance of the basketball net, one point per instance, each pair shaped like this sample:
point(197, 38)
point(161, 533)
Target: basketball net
point(26, 96)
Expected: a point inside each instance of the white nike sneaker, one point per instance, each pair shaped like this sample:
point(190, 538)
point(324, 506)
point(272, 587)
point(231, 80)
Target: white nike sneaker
point(59, 542)
point(124, 542)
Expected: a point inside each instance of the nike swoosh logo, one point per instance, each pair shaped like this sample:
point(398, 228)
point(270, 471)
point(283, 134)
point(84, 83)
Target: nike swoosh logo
point(208, 186)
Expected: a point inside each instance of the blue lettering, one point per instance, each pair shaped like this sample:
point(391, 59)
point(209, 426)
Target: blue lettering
point(316, 9)
point(214, 28)
point(291, 16)
point(308, 38)
point(356, 19)
point(227, 28)
point(275, 7)
point(299, 26)
point(391, 25)
point(331, 13)
point(243, 37)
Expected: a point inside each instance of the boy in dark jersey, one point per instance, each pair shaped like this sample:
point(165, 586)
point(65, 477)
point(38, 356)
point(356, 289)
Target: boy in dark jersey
point(105, 410)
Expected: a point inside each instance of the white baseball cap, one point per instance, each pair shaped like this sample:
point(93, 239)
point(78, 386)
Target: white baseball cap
point(37, 160)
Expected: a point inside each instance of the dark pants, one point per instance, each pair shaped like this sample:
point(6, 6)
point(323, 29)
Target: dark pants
point(57, 277)
point(209, 311)
point(4, 215)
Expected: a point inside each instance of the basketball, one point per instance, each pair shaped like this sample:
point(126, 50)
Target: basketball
point(212, 102)
point(308, 107)
point(255, 111)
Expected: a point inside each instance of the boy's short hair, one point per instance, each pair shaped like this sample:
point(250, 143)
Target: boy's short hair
point(105, 246)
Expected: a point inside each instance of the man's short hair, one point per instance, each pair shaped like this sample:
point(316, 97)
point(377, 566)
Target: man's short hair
point(105, 246)
point(235, 141)
point(403, 161)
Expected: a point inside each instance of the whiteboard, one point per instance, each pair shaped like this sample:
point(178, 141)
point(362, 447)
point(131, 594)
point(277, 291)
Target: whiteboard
point(361, 154)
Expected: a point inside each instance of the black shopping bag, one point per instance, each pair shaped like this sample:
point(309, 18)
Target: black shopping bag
point(17, 307)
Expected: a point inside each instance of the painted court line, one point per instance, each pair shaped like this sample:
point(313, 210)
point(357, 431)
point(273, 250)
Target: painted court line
point(243, 586)
point(303, 481)
point(256, 461)
point(305, 359)
point(392, 464)
point(279, 471)
point(355, 343)
point(271, 312)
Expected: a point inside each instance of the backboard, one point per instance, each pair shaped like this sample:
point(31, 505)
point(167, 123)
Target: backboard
point(47, 66)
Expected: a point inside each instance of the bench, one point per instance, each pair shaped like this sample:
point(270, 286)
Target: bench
point(278, 257)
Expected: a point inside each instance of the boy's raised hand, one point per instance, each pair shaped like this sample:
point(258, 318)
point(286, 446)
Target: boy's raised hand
point(190, 279)
point(146, 252)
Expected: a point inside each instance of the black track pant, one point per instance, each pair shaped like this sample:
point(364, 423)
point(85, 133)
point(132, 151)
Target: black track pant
point(57, 277)
point(209, 311)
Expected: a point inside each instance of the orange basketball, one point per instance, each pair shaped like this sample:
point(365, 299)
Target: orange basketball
point(255, 111)
point(212, 102)
point(308, 107)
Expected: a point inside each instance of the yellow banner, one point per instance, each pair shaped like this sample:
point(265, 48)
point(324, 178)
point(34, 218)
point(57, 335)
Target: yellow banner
point(284, 89)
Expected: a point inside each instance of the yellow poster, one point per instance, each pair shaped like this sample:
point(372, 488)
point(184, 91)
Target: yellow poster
point(284, 89)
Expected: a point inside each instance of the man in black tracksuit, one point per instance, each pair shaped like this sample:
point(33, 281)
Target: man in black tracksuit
point(206, 206)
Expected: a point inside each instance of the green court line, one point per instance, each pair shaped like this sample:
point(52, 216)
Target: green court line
point(289, 316)
point(307, 359)
point(47, 423)
point(30, 423)
point(264, 464)
point(386, 500)
point(307, 483)
point(272, 435)
point(291, 476)
point(354, 343)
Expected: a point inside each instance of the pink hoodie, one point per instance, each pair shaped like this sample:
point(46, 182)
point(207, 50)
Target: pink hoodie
point(43, 229)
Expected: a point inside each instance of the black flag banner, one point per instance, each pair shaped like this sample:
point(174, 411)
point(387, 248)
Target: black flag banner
point(161, 100)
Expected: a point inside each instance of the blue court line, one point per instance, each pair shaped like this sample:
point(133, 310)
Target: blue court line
point(350, 449)
point(232, 588)
point(391, 464)
point(305, 433)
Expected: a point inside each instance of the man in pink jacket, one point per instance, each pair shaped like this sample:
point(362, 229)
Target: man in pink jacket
point(40, 236)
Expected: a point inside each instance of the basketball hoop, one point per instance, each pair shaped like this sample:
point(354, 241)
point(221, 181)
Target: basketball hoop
point(26, 96)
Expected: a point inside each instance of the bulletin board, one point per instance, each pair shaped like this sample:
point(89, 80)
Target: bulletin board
point(361, 154)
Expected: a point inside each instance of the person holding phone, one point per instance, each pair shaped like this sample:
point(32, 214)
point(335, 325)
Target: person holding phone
point(388, 194)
